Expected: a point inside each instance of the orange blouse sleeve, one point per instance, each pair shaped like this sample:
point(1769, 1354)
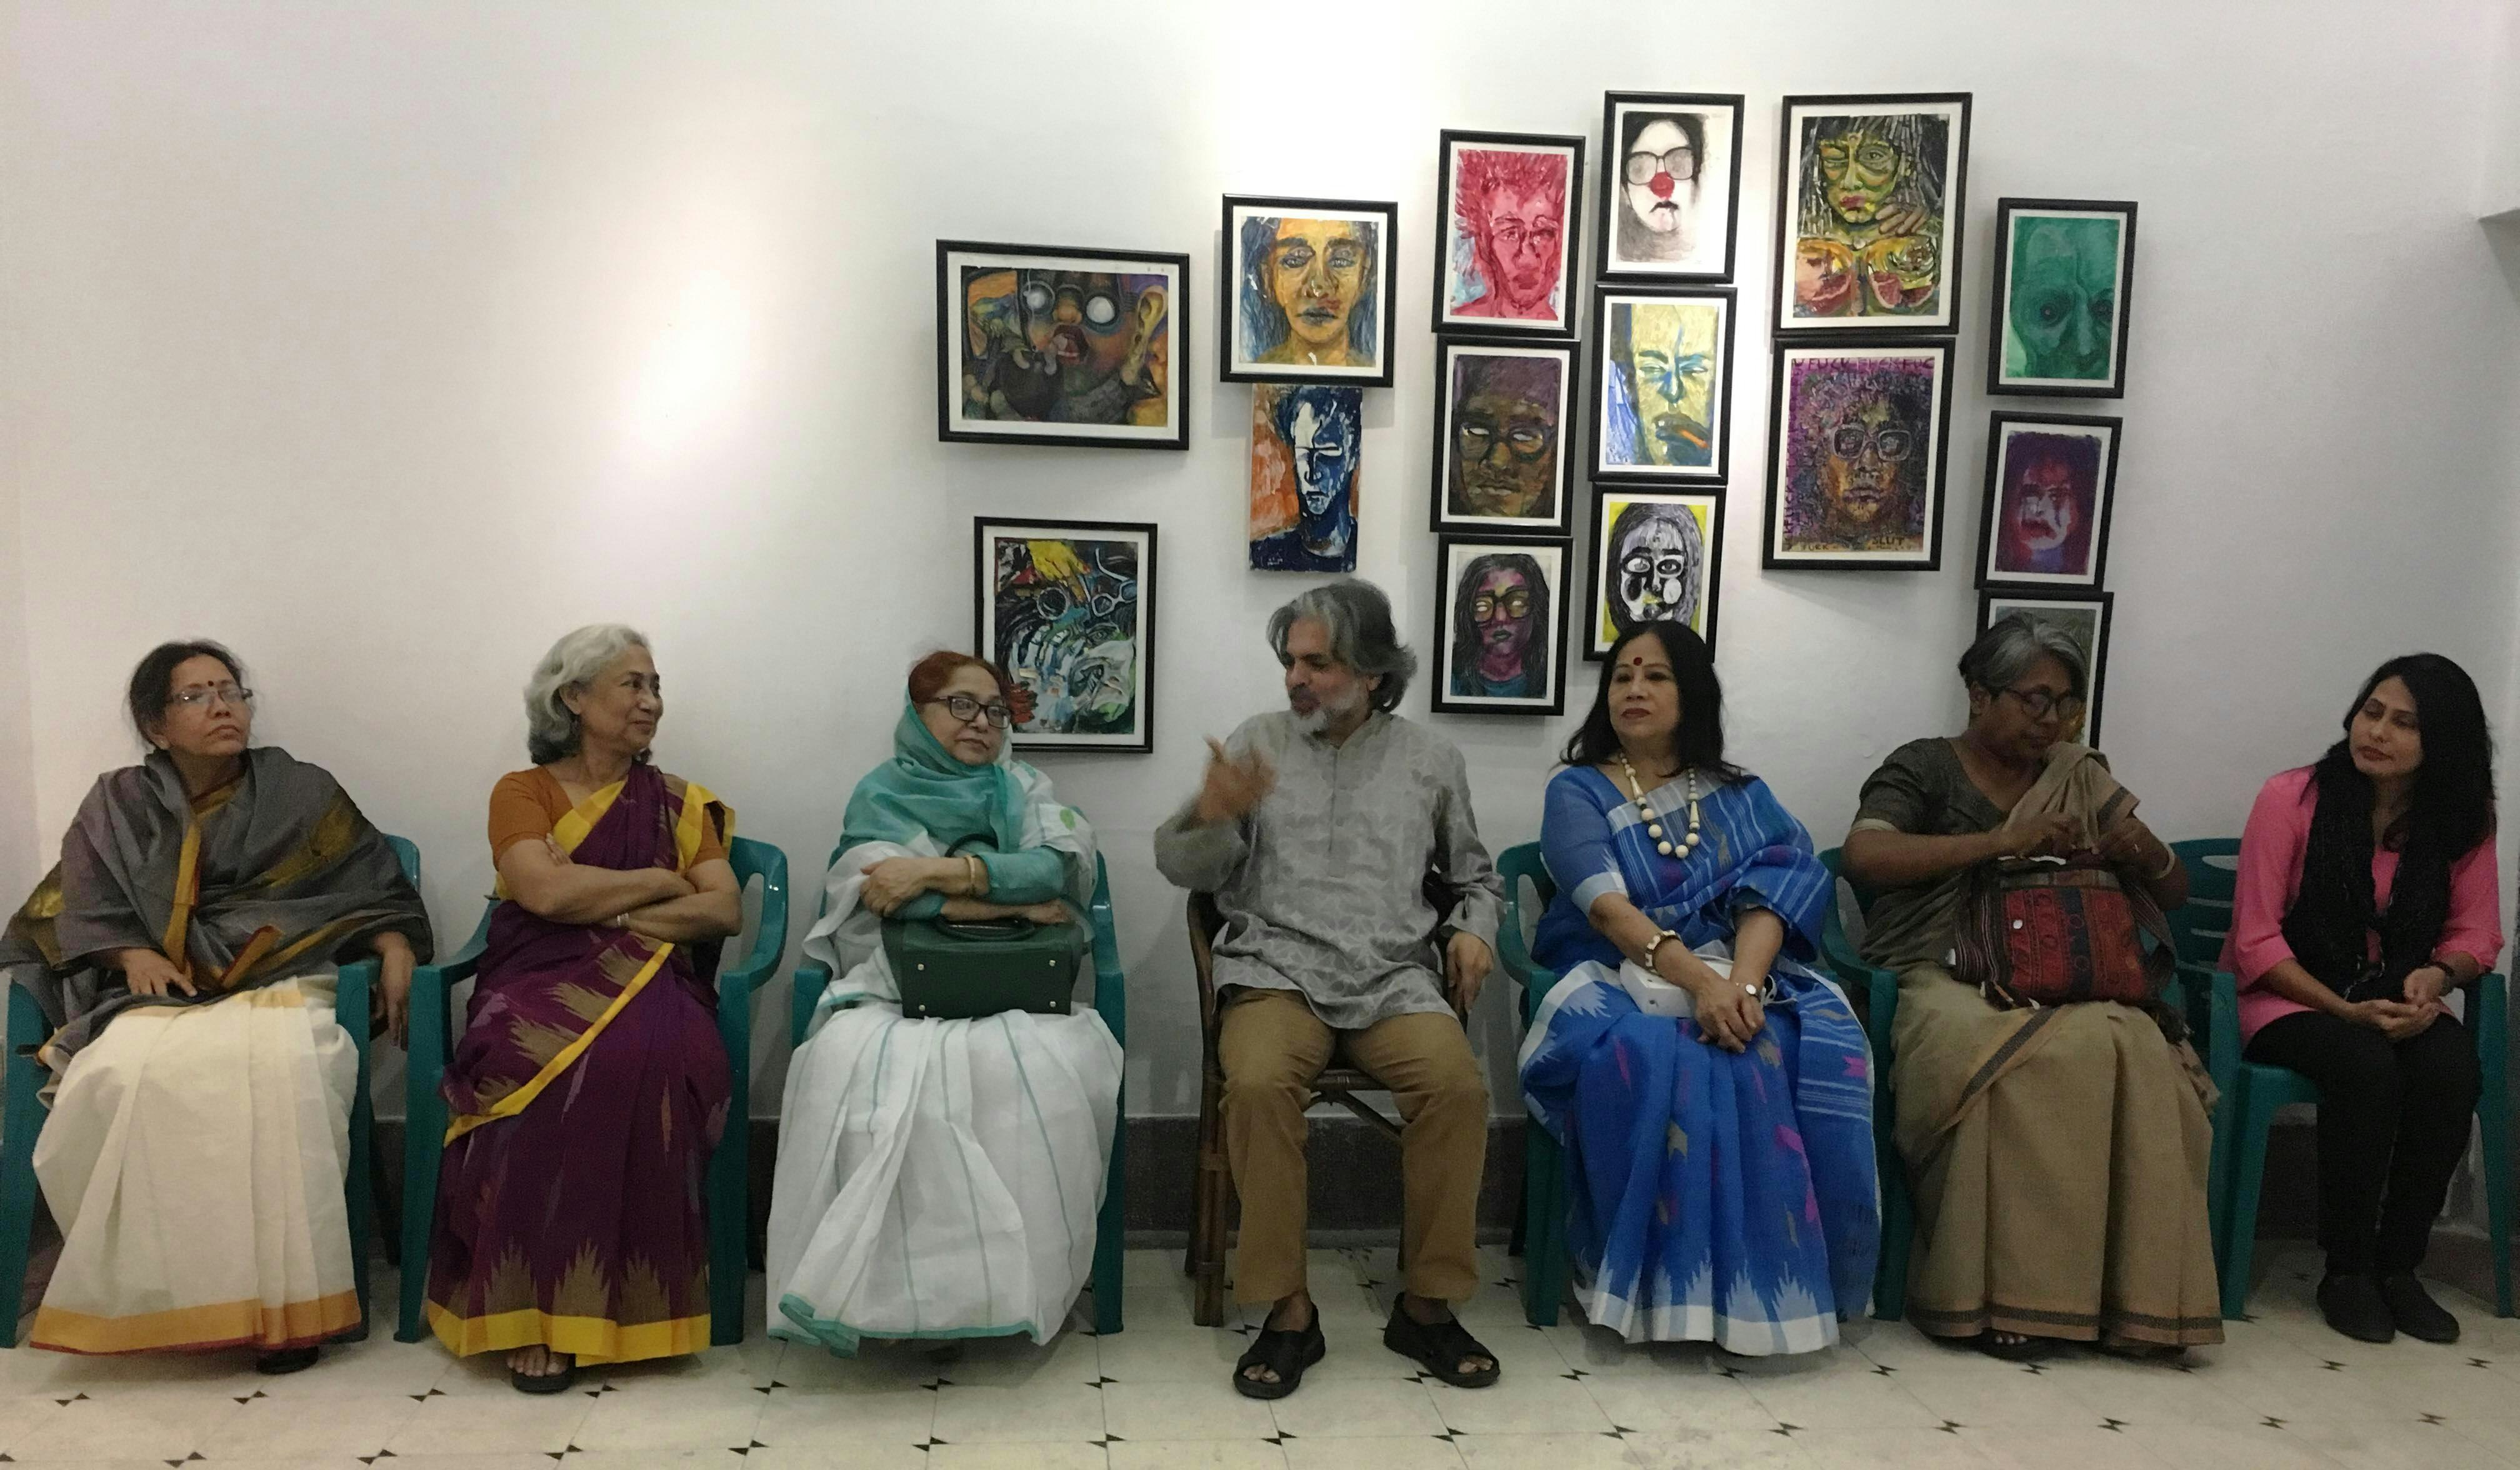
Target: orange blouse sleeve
point(712, 848)
point(520, 810)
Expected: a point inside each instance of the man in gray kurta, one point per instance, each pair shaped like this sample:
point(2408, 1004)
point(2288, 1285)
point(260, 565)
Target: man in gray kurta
point(1316, 829)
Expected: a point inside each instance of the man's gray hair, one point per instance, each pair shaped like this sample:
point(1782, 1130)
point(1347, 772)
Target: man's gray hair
point(1359, 619)
point(2003, 653)
point(551, 730)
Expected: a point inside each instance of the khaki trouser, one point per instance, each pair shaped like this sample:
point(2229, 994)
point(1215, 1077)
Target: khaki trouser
point(1272, 1046)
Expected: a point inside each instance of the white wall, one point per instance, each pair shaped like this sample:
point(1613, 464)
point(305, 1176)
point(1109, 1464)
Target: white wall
point(18, 867)
point(391, 342)
point(2499, 187)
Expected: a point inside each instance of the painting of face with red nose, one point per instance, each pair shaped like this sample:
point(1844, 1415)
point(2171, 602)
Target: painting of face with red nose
point(1667, 188)
point(2049, 480)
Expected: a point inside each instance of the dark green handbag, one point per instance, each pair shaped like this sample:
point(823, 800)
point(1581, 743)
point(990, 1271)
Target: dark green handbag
point(951, 970)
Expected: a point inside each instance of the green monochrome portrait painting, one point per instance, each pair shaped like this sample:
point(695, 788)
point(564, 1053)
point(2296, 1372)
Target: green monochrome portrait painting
point(2064, 271)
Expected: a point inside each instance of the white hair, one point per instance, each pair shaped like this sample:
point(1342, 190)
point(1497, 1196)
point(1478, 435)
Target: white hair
point(551, 727)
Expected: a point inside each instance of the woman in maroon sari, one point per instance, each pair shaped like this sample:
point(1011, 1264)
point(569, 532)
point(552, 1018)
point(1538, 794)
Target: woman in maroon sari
point(589, 1085)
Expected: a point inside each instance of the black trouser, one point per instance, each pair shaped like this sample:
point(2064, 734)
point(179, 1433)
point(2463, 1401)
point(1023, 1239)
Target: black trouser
point(2391, 1128)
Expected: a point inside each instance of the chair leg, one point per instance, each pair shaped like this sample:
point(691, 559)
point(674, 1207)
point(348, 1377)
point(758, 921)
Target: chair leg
point(1111, 1238)
point(2248, 1176)
point(362, 1200)
point(2494, 1120)
point(1898, 1222)
point(24, 1118)
point(728, 1223)
point(1543, 1210)
point(1208, 1205)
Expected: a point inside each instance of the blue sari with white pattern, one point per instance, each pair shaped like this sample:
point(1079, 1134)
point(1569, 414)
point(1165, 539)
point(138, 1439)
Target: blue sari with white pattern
point(1716, 1197)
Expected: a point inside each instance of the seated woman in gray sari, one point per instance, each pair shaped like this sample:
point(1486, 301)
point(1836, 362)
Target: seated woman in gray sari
point(2057, 1154)
point(201, 1089)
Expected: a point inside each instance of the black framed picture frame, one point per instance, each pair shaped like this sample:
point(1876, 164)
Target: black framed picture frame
point(1067, 609)
point(1304, 291)
point(1072, 348)
point(2051, 492)
point(1656, 555)
point(1858, 431)
point(2065, 278)
point(1500, 626)
point(1505, 432)
point(1872, 203)
point(1513, 212)
point(1671, 186)
point(1662, 384)
point(2084, 616)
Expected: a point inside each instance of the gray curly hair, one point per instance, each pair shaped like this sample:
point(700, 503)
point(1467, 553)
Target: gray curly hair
point(1359, 619)
point(551, 730)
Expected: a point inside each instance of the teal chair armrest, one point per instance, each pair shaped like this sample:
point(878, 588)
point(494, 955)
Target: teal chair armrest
point(1111, 982)
point(423, 1135)
point(770, 941)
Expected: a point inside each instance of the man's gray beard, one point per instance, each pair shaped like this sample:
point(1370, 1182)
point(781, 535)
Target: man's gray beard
point(1324, 715)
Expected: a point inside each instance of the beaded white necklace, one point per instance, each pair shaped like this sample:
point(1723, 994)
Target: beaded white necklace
point(1654, 825)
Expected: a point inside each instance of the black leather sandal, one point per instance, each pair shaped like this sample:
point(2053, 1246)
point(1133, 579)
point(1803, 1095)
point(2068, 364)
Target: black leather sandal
point(543, 1383)
point(285, 1360)
point(1439, 1348)
point(1285, 1353)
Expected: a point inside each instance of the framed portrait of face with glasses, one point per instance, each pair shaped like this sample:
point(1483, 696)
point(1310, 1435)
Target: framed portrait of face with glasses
point(1067, 609)
point(1499, 627)
point(1656, 557)
point(1662, 384)
point(2084, 616)
point(1855, 464)
point(1670, 209)
point(1503, 422)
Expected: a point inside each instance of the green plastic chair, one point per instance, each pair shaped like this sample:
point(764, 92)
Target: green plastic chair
point(1111, 1003)
point(25, 1111)
point(425, 1111)
point(1879, 990)
point(1544, 1266)
point(2253, 1092)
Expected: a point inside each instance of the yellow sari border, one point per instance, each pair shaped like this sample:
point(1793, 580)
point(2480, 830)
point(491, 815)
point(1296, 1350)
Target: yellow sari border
point(515, 1102)
point(222, 1324)
point(591, 1339)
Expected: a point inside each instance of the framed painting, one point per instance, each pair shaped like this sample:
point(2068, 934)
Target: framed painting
point(1067, 609)
point(1871, 200)
point(1505, 259)
point(1663, 382)
point(1306, 441)
point(1503, 409)
point(2052, 481)
point(2084, 617)
point(1855, 455)
point(2064, 271)
point(1499, 627)
point(1656, 557)
point(1671, 203)
point(1305, 295)
point(1041, 345)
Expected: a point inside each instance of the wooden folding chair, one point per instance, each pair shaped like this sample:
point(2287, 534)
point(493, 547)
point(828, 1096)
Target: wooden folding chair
point(1212, 1188)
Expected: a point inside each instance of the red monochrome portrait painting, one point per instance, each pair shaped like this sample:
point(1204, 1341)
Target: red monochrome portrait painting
point(1506, 258)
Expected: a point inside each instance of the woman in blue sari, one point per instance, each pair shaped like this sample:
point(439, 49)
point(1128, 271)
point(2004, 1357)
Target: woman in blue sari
point(1718, 1145)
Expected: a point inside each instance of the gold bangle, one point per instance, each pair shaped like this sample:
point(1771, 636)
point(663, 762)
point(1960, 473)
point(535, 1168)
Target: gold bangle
point(975, 874)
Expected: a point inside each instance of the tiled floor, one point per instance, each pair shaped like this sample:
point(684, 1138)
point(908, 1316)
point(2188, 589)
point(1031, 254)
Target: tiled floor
point(2283, 1391)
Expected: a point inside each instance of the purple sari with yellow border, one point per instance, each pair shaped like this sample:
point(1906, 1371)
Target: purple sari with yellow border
point(586, 1093)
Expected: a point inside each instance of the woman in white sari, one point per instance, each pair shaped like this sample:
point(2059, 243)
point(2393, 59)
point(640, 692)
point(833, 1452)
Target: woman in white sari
point(185, 954)
point(941, 1179)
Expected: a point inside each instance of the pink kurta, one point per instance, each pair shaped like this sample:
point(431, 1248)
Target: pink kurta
point(2271, 853)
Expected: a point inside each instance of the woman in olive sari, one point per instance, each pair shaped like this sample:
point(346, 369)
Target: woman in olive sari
point(589, 1085)
point(200, 1089)
point(2057, 1154)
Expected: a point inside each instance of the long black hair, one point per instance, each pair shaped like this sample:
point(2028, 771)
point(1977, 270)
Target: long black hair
point(2450, 807)
point(1699, 741)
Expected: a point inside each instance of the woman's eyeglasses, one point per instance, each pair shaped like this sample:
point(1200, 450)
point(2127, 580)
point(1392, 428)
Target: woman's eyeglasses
point(2041, 703)
point(234, 696)
point(963, 707)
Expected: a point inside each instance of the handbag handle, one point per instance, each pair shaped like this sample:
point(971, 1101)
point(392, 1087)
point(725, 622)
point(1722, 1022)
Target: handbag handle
point(987, 929)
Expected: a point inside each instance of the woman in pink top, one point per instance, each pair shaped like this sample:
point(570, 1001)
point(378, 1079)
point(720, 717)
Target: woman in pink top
point(2366, 892)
